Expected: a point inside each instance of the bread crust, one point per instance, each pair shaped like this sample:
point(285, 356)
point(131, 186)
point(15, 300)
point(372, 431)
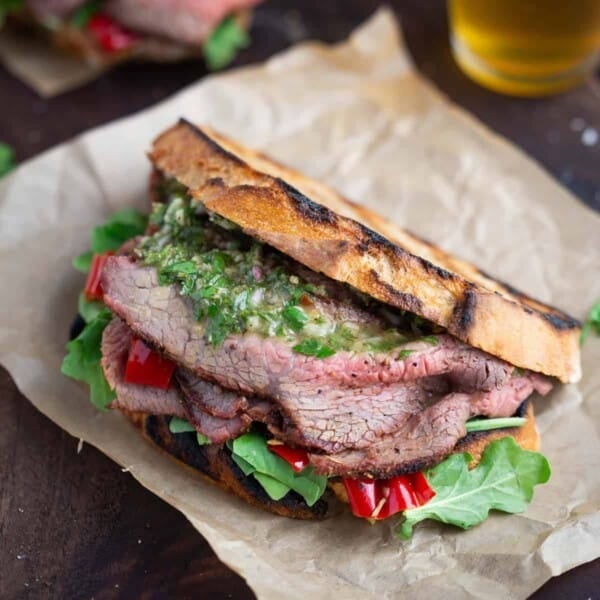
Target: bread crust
point(214, 464)
point(328, 233)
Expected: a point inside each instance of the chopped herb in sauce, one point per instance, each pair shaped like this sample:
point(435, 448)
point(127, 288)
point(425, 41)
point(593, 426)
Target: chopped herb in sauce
point(238, 285)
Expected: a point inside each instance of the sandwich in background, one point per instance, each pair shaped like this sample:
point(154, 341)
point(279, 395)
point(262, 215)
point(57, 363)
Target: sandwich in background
point(106, 32)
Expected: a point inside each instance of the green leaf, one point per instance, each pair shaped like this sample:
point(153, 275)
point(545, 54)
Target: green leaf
point(430, 339)
point(313, 347)
point(244, 466)
point(177, 425)
point(81, 17)
point(89, 309)
point(404, 354)
point(185, 267)
point(7, 154)
point(592, 323)
point(274, 488)
point(295, 317)
point(503, 480)
point(224, 42)
point(6, 7)
point(82, 361)
point(120, 227)
point(488, 424)
point(202, 439)
point(253, 450)
point(83, 262)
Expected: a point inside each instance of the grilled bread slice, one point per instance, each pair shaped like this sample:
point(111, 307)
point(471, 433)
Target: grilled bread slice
point(328, 233)
point(214, 464)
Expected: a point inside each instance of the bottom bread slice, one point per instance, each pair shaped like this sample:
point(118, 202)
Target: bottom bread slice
point(214, 463)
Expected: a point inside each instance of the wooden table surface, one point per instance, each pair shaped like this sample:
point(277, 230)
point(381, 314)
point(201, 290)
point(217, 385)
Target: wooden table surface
point(73, 525)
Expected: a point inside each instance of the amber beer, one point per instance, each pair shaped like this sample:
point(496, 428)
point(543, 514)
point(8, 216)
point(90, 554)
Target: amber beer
point(526, 47)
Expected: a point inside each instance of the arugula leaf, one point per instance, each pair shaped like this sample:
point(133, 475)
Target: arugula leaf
point(503, 480)
point(82, 361)
point(7, 154)
point(202, 439)
point(592, 323)
point(6, 7)
point(499, 423)
point(88, 309)
point(119, 227)
point(404, 354)
point(430, 339)
point(224, 42)
point(252, 449)
point(83, 262)
point(313, 347)
point(177, 425)
point(84, 13)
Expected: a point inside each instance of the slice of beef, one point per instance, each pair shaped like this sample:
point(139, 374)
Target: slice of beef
point(268, 366)
point(425, 439)
point(174, 401)
point(505, 401)
point(429, 434)
point(210, 397)
point(130, 396)
point(217, 430)
point(185, 21)
point(351, 407)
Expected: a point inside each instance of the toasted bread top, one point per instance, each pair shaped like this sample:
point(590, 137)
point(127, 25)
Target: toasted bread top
point(328, 233)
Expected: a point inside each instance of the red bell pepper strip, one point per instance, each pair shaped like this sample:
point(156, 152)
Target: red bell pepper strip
point(363, 495)
point(146, 367)
point(399, 494)
point(93, 286)
point(109, 35)
point(380, 499)
point(422, 488)
point(296, 457)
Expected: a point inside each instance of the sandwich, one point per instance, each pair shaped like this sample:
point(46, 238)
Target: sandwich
point(302, 352)
point(107, 32)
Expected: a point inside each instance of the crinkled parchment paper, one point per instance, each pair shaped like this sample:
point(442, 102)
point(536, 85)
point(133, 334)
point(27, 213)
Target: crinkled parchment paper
point(357, 116)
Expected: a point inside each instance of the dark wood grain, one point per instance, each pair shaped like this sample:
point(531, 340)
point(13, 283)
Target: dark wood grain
point(73, 525)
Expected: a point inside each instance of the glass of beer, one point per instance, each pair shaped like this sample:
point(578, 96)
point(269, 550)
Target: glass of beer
point(526, 47)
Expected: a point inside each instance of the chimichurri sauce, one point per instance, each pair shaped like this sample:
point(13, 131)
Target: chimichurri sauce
point(238, 285)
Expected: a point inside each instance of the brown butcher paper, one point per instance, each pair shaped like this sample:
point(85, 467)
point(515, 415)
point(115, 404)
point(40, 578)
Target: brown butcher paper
point(357, 116)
